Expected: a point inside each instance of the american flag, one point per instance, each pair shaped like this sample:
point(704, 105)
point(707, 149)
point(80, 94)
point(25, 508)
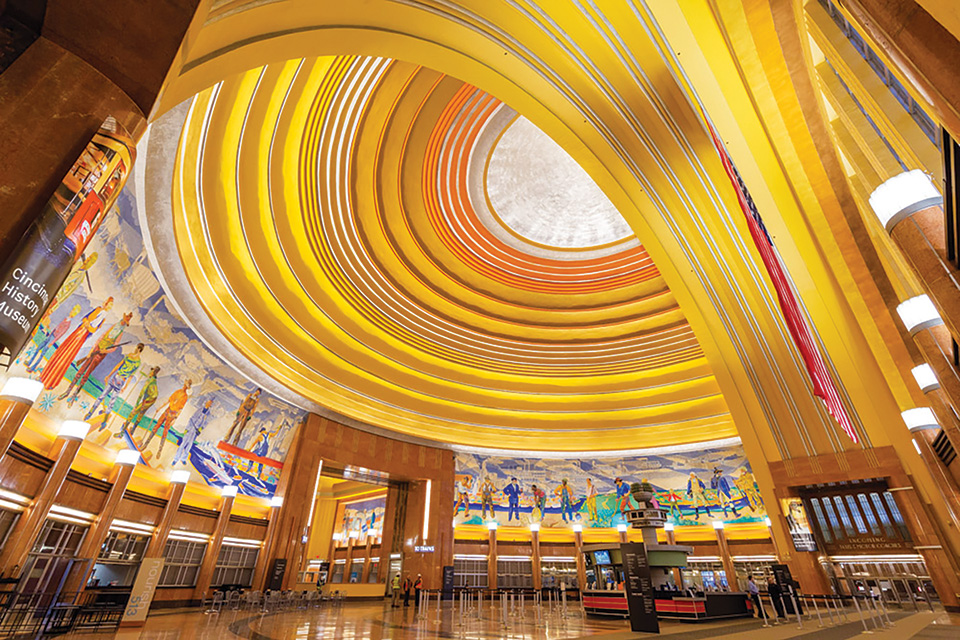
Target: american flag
point(824, 386)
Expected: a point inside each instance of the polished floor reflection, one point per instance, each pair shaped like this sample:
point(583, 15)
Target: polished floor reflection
point(376, 621)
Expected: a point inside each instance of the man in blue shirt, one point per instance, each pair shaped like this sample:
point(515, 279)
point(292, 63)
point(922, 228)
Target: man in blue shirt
point(623, 495)
point(513, 491)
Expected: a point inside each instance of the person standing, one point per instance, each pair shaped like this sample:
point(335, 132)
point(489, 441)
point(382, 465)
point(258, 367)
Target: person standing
point(539, 503)
point(592, 501)
point(260, 449)
point(407, 585)
point(566, 502)
point(513, 491)
point(486, 498)
point(51, 336)
point(623, 495)
point(463, 497)
point(721, 484)
point(148, 396)
point(754, 592)
point(696, 492)
point(60, 361)
point(395, 589)
point(115, 382)
point(748, 486)
point(194, 427)
point(175, 404)
point(776, 596)
point(106, 345)
point(417, 586)
point(244, 413)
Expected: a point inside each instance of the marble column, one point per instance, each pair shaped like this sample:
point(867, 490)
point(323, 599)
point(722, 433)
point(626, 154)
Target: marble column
point(260, 569)
point(535, 558)
point(725, 558)
point(90, 548)
point(178, 483)
point(212, 554)
point(24, 533)
point(16, 398)
point(581, 563)
point(492, 556)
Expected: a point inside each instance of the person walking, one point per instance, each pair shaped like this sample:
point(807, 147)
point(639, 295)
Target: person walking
point(395, 588)
point(754, 592)
point(407, 585)
point(417, 586)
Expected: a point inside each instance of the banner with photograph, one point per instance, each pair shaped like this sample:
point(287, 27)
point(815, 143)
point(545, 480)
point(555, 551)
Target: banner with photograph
point(799, 524)
point(33, 274)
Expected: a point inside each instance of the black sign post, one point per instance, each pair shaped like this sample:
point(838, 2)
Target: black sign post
point(640, 602)
point(448, 582)
point(277, 570)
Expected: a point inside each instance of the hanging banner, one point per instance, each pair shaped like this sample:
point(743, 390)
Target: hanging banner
point(141, 595)
point(799, 524)
point(33, 274)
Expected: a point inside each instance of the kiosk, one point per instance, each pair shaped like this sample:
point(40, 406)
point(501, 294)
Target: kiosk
point(604, 594)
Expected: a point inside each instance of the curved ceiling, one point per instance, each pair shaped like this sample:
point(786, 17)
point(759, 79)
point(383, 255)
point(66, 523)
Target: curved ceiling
point(398, 246)
point(412, 352)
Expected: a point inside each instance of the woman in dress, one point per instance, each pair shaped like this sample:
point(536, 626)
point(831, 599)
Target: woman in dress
point(58, 364)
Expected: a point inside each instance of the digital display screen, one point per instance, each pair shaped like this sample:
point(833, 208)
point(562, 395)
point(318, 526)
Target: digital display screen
point(601, 557)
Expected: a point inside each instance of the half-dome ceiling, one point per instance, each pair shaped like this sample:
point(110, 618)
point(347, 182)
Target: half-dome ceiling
point(539, 192)
point(402, 248)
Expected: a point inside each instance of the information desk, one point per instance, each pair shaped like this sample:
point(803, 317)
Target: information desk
point(674, 605)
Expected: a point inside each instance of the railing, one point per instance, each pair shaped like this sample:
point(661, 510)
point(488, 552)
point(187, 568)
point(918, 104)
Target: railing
point(48, 613)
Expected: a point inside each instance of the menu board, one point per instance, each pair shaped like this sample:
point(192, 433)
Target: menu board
point(639, 588)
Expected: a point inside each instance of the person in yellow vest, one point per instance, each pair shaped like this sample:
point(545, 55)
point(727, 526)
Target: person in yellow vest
point(395, 587)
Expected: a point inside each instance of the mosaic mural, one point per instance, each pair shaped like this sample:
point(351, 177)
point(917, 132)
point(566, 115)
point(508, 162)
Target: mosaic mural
point(696, 487)
point(365, 517)
point(111, 351)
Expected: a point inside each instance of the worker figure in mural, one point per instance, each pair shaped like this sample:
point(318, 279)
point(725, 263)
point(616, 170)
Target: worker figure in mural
point(487, 489)
point(194, 428)
point(623, 495)
point(59, 362)
point(146, 399)
point(261, 447)
point(175, 404)
point(51, 336)
point(672, 498)
point(463, 497)
point(539, 504)
point(566, 499)
point(115, 382)
point(592, 501)
point(696, 491)
point(513, 492)
point(73, 281)
point(721, 484)
point(103, 347)
point(748, 486)
point(244, 413)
